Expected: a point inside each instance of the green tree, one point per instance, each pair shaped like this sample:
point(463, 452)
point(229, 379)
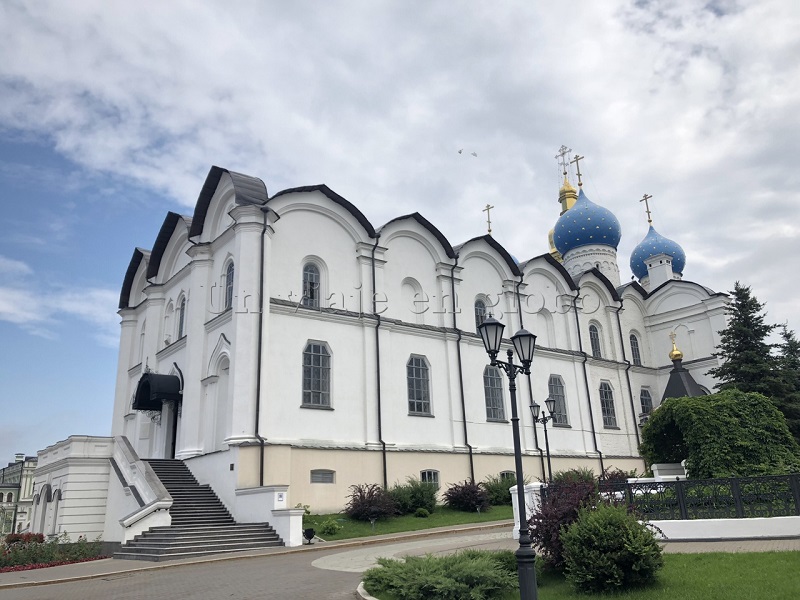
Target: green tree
point(748, 361)
point(788, 364)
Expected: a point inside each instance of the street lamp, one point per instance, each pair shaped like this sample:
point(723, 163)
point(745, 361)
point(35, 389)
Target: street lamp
point(535, 408)
point(491, 332)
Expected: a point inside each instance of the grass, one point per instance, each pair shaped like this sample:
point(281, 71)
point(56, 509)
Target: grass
point(712, 576)
point(442, 517)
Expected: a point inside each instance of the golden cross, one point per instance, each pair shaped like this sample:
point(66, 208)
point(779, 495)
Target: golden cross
point(487, 210)
point(672, 337)
point(578, 168)
point(645, 199)
point(563, 152)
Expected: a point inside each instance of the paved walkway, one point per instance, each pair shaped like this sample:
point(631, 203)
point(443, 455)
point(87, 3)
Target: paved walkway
point(330, 570)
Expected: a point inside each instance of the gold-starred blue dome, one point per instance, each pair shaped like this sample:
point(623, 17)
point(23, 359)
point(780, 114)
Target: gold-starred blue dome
point(586, 224)
point(654, 243)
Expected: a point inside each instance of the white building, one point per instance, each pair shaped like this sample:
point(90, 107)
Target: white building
point(285, 348)
point(16, 494)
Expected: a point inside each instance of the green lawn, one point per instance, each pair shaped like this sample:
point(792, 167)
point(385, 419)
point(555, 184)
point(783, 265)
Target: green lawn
point(713, 576)
point(442, 517)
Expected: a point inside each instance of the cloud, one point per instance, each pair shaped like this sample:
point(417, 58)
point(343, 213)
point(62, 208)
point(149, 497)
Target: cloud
point(10, 266)
point(688, 101)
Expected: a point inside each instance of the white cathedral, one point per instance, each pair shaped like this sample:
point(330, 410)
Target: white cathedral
point(284, 348)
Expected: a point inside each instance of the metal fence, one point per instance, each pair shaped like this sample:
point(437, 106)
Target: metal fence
point(729, 498)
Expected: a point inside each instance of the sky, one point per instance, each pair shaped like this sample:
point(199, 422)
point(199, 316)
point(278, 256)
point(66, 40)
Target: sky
point(112, 113)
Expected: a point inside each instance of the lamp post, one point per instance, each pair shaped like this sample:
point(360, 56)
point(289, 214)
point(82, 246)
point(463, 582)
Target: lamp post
point(491, 332)
point(535, 408)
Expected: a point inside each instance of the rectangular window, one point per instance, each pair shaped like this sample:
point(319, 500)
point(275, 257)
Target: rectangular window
point(323, 476)
point(635, 353)
point(555, 387)
point(417, 376)
point(594, 339)
point(493, 393)
point(646, 400)
point(316, 375)
point(607, 405)
point(430, 476)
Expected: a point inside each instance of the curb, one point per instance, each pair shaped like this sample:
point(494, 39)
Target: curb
point(362, 593)
point(353, 543)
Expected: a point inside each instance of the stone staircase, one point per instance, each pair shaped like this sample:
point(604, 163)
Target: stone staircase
point(201, 524)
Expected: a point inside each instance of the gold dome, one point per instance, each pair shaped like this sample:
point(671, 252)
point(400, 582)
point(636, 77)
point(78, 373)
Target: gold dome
point(567, 196)
point(675, 354)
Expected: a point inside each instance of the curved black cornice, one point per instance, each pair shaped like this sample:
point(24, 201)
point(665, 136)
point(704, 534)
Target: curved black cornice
point(548, 258)
point(493, 243)
point(165, 233)
point(430, 227)
point(127, 283)
point(606, 282)
point(247, 190)
point(343, 202)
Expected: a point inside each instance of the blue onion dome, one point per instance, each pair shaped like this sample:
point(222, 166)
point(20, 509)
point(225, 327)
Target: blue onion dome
point(586, 224)
point(652, 244)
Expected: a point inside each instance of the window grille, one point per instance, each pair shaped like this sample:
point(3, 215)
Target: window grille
point(635, 353)
point(311, 285)
point(316, 375)
point(493, 392)
point(419, 399)
point(594, 339)
point(607, 405)
point(555, 388)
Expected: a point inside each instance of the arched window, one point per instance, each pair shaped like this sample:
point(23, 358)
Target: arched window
point(229, 285)
point(311, 286)
point(508, 476)
point(647, 401)
point(316, 375)
point(493, 392)
point(10, 497)
point(607, 405)
point(594, 339)
point(181, 317)
point(635, 353)
point(480, 313)
point(555, 388)
point(430, 476)
point(418, 379)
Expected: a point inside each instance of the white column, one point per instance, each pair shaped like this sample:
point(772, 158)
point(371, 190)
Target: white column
point(127, 347)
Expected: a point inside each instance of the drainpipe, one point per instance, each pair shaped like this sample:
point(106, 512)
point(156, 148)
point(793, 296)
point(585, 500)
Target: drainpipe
point(528, 377)
point(261, 440)
point(378, 364)
point(586, 378)
point(461, 370)
point(627, 375)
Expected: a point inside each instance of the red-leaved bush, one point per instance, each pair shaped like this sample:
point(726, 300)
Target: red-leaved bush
point(56, 563)
point(559, 509)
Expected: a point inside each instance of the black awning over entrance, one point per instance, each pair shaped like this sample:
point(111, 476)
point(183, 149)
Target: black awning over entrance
point(154, 389)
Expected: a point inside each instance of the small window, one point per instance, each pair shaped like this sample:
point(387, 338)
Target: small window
point(509, 476)
point(417, 376)
point(555, 388)
point(430, 476)
point(594, 339)
point(229, 286)
point(316, 375)
point(323, 476)
point(10, 497)
point(607, 405)
point(480, 313)
point(647, 401)
point(182, 317)
point(311, 286)
point(635, 353)
point(493, 392)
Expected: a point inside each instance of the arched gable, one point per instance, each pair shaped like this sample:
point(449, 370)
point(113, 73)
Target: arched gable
point(426, 233)
point(221, 351)
point(245, 190)
point(175, 257)
point(503, 262)
point(678, 294)
point(136, 266)
point(336, 199)
point(165, 234)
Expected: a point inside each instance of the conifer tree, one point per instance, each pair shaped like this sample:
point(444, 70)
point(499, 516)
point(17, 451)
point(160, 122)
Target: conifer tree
point(788, 363)
point(749, 364)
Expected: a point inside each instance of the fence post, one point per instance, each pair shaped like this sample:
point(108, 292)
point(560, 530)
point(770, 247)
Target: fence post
point(679, 490)
point(736, 492)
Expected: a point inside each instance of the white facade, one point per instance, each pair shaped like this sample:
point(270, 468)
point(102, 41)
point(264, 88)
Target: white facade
point(385, 301)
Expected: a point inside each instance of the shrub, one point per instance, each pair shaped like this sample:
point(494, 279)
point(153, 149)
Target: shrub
point(421, 513)
point(470, 574)
point(497, 487)
point(559, 508)
point(30, 549)
point(613, 480)
point(367, 501)
point(467, 496)
point(412, 495)
point(608, 549)
point(329, 527)
point(582, 474)
point(24, 538)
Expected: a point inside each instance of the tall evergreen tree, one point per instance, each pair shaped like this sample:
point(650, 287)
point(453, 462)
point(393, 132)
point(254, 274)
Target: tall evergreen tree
point(749, 364)
point(788, 364)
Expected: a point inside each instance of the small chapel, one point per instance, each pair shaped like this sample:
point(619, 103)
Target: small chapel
point(281, 347)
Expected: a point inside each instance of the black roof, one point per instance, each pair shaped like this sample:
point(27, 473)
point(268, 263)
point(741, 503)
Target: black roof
point(247, 189)
point(340, 200)
point(430, 227)
point(681, 383)
point(487, 238)
point(127, 284)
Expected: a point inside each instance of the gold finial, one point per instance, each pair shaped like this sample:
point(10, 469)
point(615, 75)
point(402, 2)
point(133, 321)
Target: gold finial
point(675, 354)
point(645, 199)
point(487, 210)
point(578, 168)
